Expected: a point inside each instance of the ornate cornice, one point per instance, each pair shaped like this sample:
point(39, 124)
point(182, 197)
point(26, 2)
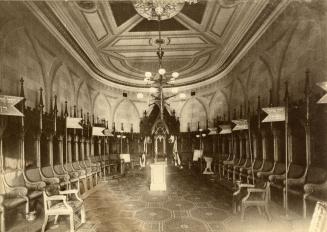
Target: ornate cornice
point(222, 70)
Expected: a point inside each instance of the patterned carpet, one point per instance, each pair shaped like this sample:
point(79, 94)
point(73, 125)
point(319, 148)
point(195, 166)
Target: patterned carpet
point(190, 204)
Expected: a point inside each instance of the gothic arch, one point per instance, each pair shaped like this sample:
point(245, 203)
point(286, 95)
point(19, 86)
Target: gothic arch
point(193, 111)
point(126, 112)
point(101, 107)
point(218, 105)
point(61, 84)
point(16, 40)
point(84, 99)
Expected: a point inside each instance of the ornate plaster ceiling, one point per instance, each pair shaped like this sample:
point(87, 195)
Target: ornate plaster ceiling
point(117, 44)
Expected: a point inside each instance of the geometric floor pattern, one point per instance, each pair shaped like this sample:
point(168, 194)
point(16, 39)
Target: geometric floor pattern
point(128, 205)
point(190, 204)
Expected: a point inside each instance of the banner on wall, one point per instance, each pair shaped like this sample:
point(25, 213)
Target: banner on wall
point(241, 124)
point(7, 105)
point(74, 123)
point(225, 129)
point(98, 131)
point(274, 114)
point(323, 85)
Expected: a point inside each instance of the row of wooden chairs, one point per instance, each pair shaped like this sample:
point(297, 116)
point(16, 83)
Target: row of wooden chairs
point(24, 187)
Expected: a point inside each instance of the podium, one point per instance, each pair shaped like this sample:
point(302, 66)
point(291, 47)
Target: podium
point(158, 176)
point(208, 170)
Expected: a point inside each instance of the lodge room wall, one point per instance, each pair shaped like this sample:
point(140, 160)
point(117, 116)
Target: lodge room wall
point(290, 46)
point(293, 44)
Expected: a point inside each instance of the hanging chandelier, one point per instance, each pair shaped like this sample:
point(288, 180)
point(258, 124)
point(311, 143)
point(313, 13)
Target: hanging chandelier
point(160, 10)
point(163, 9)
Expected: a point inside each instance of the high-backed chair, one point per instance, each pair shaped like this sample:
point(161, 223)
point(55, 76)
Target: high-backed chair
point(34, 175)
point(257, 197)
point(73, 176)
point(12, 197)
point(48, 172)
point(80, 174)
point(60, 203)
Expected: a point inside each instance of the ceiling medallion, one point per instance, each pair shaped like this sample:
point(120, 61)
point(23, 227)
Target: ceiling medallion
point(166, 9)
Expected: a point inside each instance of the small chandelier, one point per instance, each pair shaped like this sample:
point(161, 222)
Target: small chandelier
point(165, 9)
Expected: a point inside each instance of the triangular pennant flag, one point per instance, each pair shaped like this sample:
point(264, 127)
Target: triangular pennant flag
point(241, 124)
point(107, 132)
point(275, 114)
point(212, 131)
point(98, 131)
point(7, 105)
point(323, 85)
point(225, 129)
point(74, 123)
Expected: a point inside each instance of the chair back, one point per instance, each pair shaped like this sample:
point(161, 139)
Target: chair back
point(33, 174)
point(50, 190)
point(47, 171)
point(14, 178)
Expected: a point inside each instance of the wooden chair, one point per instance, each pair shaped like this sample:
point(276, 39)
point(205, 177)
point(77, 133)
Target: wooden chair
point(258, 197)
point(48, 172)
point(57, 203)
point(11, 198)
point(319, 219)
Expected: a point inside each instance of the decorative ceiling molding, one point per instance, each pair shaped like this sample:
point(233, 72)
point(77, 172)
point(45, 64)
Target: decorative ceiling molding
point(256, 19)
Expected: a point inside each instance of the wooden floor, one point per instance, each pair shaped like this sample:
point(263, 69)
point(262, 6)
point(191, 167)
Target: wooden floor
point(191, 203)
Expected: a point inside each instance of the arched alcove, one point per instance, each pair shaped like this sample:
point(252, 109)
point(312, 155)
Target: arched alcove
point(101, 108)
point(18, 51)
point(261, 85)
point(191, 113)
point(127, 114)
point(62, 85)
point(83, 98)
point(218, 107)
point(237, 95)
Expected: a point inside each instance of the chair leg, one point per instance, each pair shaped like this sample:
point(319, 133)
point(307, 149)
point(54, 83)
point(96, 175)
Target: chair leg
point(85, 184)
point(284, 198)
point(83, 214)
point(242, 212)
point(259, 210)
point(45, 222)
point(91, 181)
point(267, 212)
point(304, 207)
point(56, 219)
point(71, 221)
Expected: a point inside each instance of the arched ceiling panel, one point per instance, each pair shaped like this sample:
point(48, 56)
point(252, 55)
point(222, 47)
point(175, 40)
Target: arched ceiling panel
point(220, 28)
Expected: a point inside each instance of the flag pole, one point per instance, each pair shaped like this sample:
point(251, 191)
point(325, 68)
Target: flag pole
point(286, 148)
point(250, 142)
point(65, 116)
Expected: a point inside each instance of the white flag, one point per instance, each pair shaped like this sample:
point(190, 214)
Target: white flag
point(323, 85)
point(275, 114)
point(74, 123)
point(7, 105)
point(212, 131)
point(241, 124)
point(98, 131)
point(225, 129)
